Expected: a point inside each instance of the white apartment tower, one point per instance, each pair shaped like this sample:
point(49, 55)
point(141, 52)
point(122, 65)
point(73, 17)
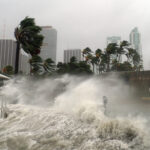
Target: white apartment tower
point(49, 47)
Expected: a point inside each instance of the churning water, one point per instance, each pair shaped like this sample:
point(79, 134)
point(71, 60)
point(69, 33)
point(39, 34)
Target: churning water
point(67, 113)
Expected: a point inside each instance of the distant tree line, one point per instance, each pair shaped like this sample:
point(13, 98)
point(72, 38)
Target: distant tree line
point(111, 59)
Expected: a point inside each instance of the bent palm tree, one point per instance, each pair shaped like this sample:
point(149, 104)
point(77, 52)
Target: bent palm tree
point(28, 38)
point(36, 64)
point(87, 51)
point(49, 65)
point(93, 62)
point(121, 49)
point(110, 50)
point(136, 60)
point(98, 54)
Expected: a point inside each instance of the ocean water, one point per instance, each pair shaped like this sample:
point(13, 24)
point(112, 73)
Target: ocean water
point(67, 113)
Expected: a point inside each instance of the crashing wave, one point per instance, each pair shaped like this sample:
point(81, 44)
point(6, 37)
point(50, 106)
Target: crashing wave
point(75, 121)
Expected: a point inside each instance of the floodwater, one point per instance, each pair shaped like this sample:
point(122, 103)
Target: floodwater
point(67, 113)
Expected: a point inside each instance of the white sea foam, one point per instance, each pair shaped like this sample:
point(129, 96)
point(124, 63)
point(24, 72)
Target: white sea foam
point(67, 114)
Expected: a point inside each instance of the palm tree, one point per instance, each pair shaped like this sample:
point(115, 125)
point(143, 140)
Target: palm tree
point(93, 62)
point(83, 68)
point(98, 54)
point(114, 65)
point(36, 64)
point(62, 68)
point(103, 63)
point(73, 65)
point(73, 59)
point(28, 38)
point(87, 51)
point(110, 50)
point(136, 60)
point(48, 65)
point(121, 49)
point(130, 53)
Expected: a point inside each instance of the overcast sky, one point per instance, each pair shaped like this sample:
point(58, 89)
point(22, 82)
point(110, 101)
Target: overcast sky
point(82, 23)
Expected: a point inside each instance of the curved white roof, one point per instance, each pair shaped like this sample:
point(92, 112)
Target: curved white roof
point(4, 77)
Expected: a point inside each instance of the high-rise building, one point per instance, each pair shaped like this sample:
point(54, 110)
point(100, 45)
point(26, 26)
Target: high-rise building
point(8, 56)
point(135, 40)
point(72, 52)
point(7, 53)
point(113, 39)
point(49, 47)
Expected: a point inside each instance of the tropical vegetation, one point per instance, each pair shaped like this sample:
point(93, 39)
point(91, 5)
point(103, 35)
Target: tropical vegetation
point(8, 70)
point(73, 67)
point(116, 57)
point(28, 38)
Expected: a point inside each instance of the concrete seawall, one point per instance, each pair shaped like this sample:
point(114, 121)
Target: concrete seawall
point(140, 81)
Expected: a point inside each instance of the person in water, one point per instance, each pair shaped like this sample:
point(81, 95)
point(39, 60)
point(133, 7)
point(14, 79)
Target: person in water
point(105, 101)
point(5, 114)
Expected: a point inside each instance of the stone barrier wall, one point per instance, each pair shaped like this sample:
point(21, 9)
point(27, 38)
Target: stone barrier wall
point(140, 81)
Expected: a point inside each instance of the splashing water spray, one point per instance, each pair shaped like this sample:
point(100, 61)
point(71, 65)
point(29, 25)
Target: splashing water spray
point(3, 102)
point(4, 110)
point(69, 113)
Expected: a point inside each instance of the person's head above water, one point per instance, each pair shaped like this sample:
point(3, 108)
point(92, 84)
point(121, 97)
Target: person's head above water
point(105, 99)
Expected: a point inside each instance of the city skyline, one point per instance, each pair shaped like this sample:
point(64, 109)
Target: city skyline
point(49, 48)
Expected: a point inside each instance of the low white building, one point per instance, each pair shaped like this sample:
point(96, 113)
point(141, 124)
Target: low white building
point(72, 52)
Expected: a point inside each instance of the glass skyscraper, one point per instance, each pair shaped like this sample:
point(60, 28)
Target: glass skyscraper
point(135, 40)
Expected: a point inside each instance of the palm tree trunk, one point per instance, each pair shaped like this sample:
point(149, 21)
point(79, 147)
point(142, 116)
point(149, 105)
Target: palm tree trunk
point(17, 58)
point(119, 58)
point(98, 68)
point(108, 62)
point(93, 68)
